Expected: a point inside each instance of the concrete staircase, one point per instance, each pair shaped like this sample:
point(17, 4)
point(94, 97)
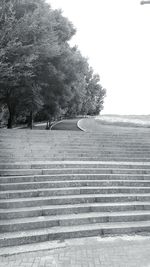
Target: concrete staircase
point(64, 184)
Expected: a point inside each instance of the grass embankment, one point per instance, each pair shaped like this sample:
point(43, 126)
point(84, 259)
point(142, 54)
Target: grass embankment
point(125, 120)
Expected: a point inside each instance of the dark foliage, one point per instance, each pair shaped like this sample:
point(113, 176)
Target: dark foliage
point(41, 76)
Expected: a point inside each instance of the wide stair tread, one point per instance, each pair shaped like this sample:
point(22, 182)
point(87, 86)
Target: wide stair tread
point(73, 216)
point(73, 208)
point(75, 228)
point(75, 183)
point(68, 171)
point(61, 232)
point(112, 204)
point(54, 201)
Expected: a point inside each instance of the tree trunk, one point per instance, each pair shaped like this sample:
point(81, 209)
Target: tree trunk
point(48, 125)
point(30, 124)
point(10, 119)
point(9, 125)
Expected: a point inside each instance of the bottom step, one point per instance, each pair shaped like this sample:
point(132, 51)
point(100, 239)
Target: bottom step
point(61, 233)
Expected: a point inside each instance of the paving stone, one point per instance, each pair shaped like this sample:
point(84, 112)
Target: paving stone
point(117, 252)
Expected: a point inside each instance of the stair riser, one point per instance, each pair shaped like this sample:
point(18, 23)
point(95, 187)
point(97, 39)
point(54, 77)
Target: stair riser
point(77, 171)
point(66, 235)
point(83, 141)
point(20, 172)
point(75, 200)
point(73, 166)
point(75, 150)
point(85, 148)
point(81, 154)
point(63, 138)
point(59, 146)
point(100, 171)
point(89, 152)
point(74, 191)
point(56, 185)
point(71, 222)
point(92, 165)
point(94, 158)
point(81, 150)
point(47, 178)
point(71, 142)
point(97, 145)
point(44, 136)
point(75, 158)
point(73, 210)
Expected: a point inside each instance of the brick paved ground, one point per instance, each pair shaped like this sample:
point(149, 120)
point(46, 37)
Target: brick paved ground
point(89, 252)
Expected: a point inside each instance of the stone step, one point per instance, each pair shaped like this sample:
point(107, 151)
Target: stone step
point(80, 147)
point(37, 171)
point(103, 153)
point(63, 157)
point(75, 142)
point(72, 199)
point(94, 158)
point(63, 134)
point(73, 177)
point(7, 214)
point(105, 149)
point(52, 143)
point(70, 142)
point(15, 225)
point(75, 136)
point(70, 157)
point(75, 165)
point(77, 149)
point(63, 137)
point(106, 170)
point(73, 191)
point(77, 157)
point(63, 232)
point(75, 183)
point(85, 157)
point(102, 142)
point(116, 147)
point(19, 172)
point(117, 131)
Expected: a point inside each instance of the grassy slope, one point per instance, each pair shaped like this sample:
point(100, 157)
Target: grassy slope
point(125, 120)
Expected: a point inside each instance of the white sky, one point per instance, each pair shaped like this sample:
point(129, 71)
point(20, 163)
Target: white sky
point(115, 36)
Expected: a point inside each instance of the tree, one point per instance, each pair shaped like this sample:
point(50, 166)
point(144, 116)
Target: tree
point(39, 71)
point(94, 96)
point(16, 58)
point(30, 38)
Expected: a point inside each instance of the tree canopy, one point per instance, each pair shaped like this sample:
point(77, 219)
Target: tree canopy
point(41, 75)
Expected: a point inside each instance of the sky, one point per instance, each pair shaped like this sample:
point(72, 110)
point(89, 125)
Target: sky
point(115, 36)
